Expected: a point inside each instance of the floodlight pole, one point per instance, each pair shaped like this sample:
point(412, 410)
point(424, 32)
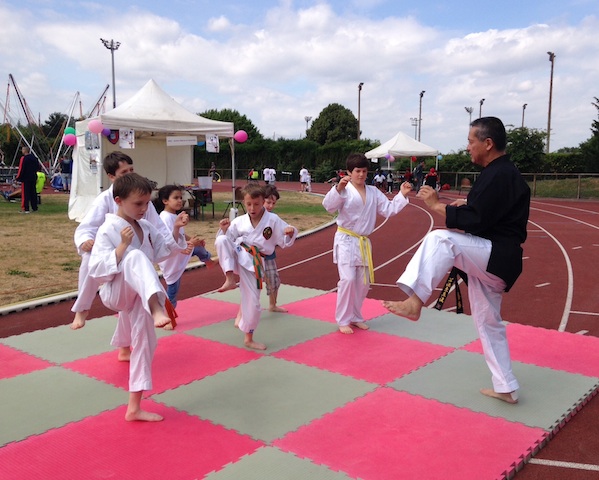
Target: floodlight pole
point(480, 107)
point(523, 108)
point(360, 85)
point(420, 114)
point(552, 60)
point(307, 119)
point(112, 46)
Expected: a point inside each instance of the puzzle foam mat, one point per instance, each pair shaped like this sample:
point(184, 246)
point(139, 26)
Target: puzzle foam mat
point(400, 400)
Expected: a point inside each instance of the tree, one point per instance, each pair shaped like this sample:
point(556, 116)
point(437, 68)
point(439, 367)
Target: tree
point(240, 121)
point(526, 147)
point(590, 149)
point(53, 127)
point(335, 123)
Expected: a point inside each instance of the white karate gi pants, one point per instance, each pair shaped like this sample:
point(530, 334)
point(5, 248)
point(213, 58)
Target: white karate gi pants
point(439, 252)
point(351, 290)
point(129, 292)
point(88, 286)
point(250, 294)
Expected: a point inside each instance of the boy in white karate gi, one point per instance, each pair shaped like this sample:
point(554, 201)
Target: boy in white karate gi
point(122, 260)
point(357, 205)
point(116, 164)
point(241, 246)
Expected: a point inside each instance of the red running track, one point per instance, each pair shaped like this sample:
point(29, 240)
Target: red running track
point(557, 290)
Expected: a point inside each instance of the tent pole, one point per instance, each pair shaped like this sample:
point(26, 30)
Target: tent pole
point(232, 145)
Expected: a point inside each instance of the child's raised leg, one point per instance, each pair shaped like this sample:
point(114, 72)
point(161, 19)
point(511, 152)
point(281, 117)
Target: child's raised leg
point(158, 312)
point(230, 282)
point(79, 321)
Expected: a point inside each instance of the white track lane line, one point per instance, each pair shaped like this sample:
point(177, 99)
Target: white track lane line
point(570, 290)
point(554, 463)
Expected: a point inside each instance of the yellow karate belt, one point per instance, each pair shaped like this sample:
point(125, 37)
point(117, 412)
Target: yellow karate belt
point(257, 258)
point(365, 251)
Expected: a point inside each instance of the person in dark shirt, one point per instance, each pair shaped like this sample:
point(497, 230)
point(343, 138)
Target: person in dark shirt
point(27, 175)
point(493, 218)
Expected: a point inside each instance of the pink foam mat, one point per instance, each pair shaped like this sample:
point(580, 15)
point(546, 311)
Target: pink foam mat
point(549, 348)
point(13, 362)
point(199, 311)
point(415, 438)
point(367, 355)
point(179, 359)
point(105, 446)
point(322, 308)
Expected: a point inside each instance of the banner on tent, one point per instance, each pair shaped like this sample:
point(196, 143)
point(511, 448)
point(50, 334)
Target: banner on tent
point(126, 138)
point(181, 140)
point(212, 145)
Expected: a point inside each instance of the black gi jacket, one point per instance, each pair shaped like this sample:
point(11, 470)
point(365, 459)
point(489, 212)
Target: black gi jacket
point(497, 209)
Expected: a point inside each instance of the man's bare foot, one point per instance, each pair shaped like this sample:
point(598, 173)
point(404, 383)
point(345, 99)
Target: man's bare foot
point(277, 309)
point(254, 345)
point(79, 320)
point(346, 329)
point(360, 325)
point(169, 326)
point(511, 398)
point(407, 309)
point(229, 284)
point(124, 354)
point(142, 416)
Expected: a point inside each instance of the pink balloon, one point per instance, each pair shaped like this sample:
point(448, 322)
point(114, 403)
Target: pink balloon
point(391, 158)
point(240, 136)
point(69, 139)
point(95, 126)
point(106, 132)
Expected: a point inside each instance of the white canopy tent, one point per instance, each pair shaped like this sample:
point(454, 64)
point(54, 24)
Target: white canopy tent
point(402, 145)
point(154, 116)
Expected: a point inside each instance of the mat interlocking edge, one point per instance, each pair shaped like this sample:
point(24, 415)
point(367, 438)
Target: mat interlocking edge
point(397, 401)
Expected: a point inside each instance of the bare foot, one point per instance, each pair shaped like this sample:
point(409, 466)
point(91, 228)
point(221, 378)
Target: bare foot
point(161, 319)
point(238, 318)
point(142, 416)
point(277, 309)
point(511, 398)
point(360, 325)
point(346, 329)
point(407, 309)
point(255, 345)
point(169, 326)
point(229, 284)
point(124, 354)
point(79, 321)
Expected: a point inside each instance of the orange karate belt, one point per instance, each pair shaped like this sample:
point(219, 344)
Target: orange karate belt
point(257, 259)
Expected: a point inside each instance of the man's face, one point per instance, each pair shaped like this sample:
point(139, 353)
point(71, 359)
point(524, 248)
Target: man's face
point(477, 148)
point(134, 207)
point(358, 175)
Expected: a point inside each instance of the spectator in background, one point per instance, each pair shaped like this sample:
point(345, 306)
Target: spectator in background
point(27, 175)
point(66, 171)
point(432, 178)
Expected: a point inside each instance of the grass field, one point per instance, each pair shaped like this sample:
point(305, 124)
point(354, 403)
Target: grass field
point(38, 256)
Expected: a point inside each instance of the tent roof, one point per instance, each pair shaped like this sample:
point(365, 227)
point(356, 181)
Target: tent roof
point(402, 145)
point(152, 109)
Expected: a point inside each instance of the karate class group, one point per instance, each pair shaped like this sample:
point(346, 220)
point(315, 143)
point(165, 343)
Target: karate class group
point(122, 237)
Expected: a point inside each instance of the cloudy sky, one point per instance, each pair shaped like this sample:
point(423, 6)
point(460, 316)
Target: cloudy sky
point(278, 61)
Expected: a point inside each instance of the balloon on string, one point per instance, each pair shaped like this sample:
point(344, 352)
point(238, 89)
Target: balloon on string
point(387, 156)
point(95, 126)
point(106, 131)
point(391, 158)
point(69, 130)
point(439, 157)
point(240, 136)
point(413, 159)
point(69, 139)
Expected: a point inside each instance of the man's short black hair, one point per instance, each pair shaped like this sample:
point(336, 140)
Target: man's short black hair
point(493, 128)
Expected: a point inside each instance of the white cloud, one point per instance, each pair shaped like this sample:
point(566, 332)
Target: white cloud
point(285, 63)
